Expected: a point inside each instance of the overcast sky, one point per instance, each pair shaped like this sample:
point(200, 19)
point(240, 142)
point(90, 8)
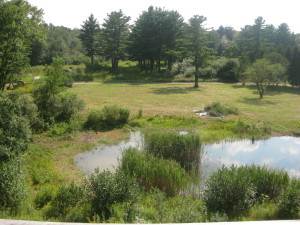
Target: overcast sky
point(235, 13)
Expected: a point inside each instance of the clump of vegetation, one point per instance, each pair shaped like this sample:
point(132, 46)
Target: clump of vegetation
point(109, 117)
point(289, 204)
point(65, 199)
point(157, 207)
point(12, 188)
point(217, 109)
point(55, 105)
point(184, 149)
point(234, 190)
point(107, 188)
point(153, 172)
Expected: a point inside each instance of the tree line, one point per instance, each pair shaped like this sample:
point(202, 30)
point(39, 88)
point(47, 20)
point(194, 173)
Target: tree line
point(158, 39)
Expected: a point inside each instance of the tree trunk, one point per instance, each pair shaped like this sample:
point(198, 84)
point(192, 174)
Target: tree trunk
point(196, 85)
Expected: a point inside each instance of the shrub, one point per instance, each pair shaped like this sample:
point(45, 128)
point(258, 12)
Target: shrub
point(153, 172)
point(15, 132)
point(233, 190)
point(106, 188)
point(157, 207)
point(184, 149)
point(229, 191)
point(289, 205)
point(107, 118)
point(66, 198)
point(216, 109)
point(229, 70)
point(44, 196)
point(12, 184)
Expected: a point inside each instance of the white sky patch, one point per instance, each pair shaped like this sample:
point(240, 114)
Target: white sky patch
point(240, 147)
point(235, 13)
point(267, 161)
point(290, 150)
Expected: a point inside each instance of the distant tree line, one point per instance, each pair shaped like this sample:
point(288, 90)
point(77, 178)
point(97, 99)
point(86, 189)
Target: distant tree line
point(160, 40)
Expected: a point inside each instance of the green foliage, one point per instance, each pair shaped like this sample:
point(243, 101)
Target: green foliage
point(262, 72)
point(263, 211)
point(66, 198)
point(229, 70)
point(184, 149)
point(109, 117)
point(53, 104)
point(12, 184)
point(234, 190)
point(20, 23)
point(157, 207)
point(115, 36)
point(229, 191)
point(289, 204)
point(153, 172)
point(15, 118)
point(44, 196)
point(217, 109)
point(89, 32)
point(106, 188)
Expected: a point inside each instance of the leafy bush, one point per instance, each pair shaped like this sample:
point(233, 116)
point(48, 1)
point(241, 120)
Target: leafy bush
point(216, 109)
point(229, 70)
point(66, 198)
point(233, 190)
point(107, 188)
point(153, 172)
point(229, 191)
point(15, 132)
point(157, 207)
point(289, 205)
point(44, 196)
point(12, 184)
point(184, 149)
point(109, 117)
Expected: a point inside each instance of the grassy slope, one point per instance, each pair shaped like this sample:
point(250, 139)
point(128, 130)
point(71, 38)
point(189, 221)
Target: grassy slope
point(279, 109)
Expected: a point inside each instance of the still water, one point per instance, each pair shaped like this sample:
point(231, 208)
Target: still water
point(106, 157)
point(276, 152)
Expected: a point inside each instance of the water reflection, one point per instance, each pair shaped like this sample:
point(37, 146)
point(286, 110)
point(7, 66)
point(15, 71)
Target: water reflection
point(106, 157)
point(276, 152)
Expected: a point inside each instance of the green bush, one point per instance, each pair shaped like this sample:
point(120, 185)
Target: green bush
point(12, 184)
point(229, 191)
point(109, 117)
point(229, 70)
point(289, 204)
point(157, 207)
point(233, 190)
point(153, 172)
point(44, 196)
point(107, 188)
point(15, 118)
point(66, 199)
point(184, 149)
point(216, 109)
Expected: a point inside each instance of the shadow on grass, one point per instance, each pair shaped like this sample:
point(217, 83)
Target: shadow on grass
point(174, 90)
point(271, 90)
point(256, 101)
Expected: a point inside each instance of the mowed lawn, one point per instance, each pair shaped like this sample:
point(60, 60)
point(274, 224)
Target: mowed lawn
point(279, 103)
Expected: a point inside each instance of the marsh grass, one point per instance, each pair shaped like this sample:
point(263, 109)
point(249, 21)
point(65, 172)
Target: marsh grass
point(153, 172)
point(184, 149)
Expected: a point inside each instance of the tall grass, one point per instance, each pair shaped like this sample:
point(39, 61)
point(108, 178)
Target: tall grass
point(184, 149)
point(153, 172)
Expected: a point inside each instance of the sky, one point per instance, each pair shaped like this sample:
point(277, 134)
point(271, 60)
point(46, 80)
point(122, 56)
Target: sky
point(234, 13)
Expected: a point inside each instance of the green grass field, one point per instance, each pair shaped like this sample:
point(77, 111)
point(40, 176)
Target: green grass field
point(280, 107)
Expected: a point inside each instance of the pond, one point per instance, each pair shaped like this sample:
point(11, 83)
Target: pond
point(276, 152)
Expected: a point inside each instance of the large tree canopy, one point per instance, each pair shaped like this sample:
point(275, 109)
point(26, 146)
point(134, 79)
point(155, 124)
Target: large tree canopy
point(20, 23)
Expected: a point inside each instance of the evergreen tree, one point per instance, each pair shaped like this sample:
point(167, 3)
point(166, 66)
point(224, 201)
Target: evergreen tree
point(294, 68)
point(197, 41)
point(115, 35)
point(89, 34)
